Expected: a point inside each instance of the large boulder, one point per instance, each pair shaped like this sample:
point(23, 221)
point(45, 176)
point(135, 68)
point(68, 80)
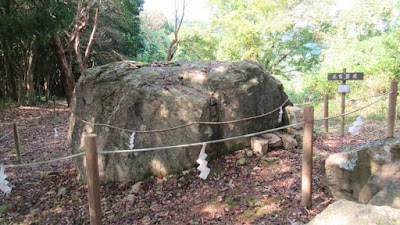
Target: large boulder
point(165, 95)
point(369, 174)
point(345, 212)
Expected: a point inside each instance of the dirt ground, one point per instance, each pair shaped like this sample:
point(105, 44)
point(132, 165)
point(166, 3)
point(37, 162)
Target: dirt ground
point(266, 190)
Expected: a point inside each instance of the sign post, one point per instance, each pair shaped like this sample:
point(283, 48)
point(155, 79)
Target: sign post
point(344, 88)
point(342, 107)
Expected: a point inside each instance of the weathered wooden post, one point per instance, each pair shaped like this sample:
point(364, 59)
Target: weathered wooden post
point(54, 107)
point(326, 114)
point(17, 145)
point(391, 110)
point(342, 107)
point(307, 162)
point(93, 179)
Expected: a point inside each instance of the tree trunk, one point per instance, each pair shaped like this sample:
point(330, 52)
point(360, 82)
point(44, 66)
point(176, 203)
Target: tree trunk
point(30, 73)
point(47, 86)
point(65, 67)
point(21, 89)
point(2, 85)
point(13, 90)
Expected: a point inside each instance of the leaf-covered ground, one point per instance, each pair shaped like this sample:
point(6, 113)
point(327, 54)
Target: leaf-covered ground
point(266, 190)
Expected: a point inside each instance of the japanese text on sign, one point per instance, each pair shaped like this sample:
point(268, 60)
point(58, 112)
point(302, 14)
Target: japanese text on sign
point(345, 76)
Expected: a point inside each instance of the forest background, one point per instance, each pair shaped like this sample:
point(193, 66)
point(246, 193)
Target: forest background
point(45, 45)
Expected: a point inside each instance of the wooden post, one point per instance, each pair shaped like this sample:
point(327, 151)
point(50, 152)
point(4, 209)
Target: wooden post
point(342, 108)
point(326, 114)
point(54, 107)
point(93, 179)
point(391, 110)
point(17, 145)
point(307, 162)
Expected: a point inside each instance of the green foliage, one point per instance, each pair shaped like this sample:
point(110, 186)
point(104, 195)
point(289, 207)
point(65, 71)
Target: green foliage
point(130, 26)
point(155, 31)
point(154, 46)
point(363, 39)
point(20, 20)
point(197, 43)
point(267, 32)
point(119, 32)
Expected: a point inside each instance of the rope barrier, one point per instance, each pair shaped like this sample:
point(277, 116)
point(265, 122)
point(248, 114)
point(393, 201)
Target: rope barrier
point(375, 96)
point(193, 144)
point(45, 162)
point(154, 148)
point(348, 100)
point(200, 143)
point(182, 126)
point(5, 135)
point(308, 103)
point(354, 111)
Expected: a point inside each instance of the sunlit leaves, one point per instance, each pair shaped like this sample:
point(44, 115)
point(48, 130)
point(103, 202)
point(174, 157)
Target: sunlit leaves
point(265, 31)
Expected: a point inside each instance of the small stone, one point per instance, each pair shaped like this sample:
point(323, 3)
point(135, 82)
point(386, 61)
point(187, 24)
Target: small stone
point(241, 161)
point(273, 140)
point(259, 146)
point(256, 168)
point(288, 141)
point(316, 151)
point(62, 191)
point(249, 153)
point(185, 172)
point(47, 174)
point(136, 187)
point(131, 198)
point(178, 194)
point(182, 179)
point(295, 115)
point(271, 159)
point(240, 155)
point(219, 198)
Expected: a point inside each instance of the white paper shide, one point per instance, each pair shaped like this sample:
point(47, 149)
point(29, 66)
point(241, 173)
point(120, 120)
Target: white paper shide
point(204, 170)
point(55, 133)
point(280, 115)
point(357, 125)
point(3, 182)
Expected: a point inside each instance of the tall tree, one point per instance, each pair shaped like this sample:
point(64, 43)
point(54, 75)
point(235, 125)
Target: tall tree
point(24, 27)
point(179, 14)
point(64, 54)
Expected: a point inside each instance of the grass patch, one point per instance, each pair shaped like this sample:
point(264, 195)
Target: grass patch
point(216, 169)
point(270, 165)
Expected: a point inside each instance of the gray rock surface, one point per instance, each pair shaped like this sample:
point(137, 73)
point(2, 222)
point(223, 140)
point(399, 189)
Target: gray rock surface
point(136, 187)
point(249, 153)
point(288, 141)
point(345, 212)
point(241, 161)
point(273, 140)
point(295, 115)
point(369, 174)
point(158, 96)
point(259, 146)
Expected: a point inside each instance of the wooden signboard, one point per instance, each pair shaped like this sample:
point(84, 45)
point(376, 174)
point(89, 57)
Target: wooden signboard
point(345, 76)
point(343, 88)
